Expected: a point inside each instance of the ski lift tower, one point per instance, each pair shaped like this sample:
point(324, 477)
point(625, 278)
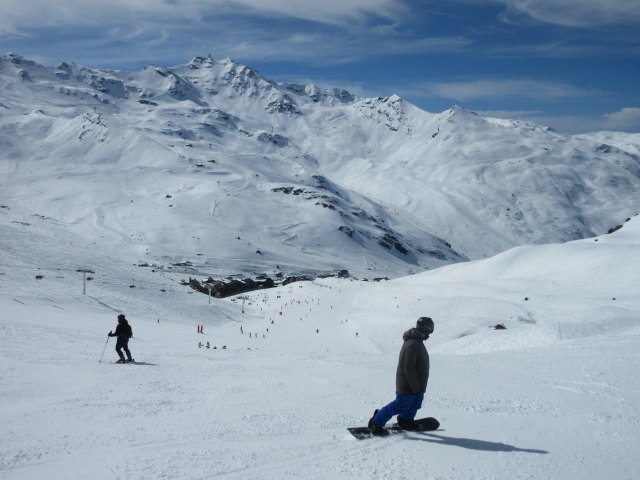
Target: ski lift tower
point(209, 287)
point(84, 271)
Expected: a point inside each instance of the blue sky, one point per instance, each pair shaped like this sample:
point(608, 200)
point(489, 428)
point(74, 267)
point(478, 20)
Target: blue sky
point(570, 64)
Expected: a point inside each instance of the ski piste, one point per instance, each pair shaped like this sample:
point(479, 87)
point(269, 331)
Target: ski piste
point(426, 425)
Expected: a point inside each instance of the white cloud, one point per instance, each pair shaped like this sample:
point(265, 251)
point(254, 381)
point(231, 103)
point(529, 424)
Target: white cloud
point(17, 16)
point(339, 12)
point(570, 13)
point(323, 49)
point(625, 119)
point(486, 89)
point(575, 13)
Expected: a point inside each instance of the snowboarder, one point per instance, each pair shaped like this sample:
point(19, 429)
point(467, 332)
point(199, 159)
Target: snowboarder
point(124, 333)
point(412, 375)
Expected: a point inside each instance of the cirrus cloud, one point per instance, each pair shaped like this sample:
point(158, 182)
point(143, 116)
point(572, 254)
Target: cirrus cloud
point(487, 89)
point(575, 13)
point(18, 16)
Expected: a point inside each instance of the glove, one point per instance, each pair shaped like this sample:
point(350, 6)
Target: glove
point(110, 333)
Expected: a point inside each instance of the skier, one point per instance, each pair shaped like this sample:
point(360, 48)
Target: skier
point(412, 375)
point(124, 333)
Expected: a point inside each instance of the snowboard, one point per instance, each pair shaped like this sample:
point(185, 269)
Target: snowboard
point(426, 424)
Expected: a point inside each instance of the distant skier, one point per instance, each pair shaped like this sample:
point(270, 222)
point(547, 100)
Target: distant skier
point(412, 375)
point(124, 333)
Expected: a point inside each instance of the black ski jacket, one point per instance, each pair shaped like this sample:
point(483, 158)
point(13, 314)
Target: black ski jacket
point(412, 374)
point(123, 330)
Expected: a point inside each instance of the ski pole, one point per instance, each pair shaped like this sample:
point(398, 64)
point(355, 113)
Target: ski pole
point(105, 347)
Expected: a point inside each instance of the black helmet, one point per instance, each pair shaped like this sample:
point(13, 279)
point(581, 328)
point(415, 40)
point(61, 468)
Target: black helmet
point(425, 326)
point(121, 317)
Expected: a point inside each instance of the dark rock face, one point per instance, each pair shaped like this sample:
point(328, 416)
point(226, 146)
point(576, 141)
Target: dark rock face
point(232, 287)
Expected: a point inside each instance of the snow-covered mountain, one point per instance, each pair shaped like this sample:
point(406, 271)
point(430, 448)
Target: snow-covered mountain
point(212, 163)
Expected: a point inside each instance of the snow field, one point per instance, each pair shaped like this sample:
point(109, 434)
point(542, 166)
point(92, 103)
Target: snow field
point(532, 401)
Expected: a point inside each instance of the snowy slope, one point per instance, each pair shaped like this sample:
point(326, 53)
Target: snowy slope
point(212, 163)
point(555, 395)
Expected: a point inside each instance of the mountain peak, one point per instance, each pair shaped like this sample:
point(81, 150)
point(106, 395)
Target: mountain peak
point(18, 60)
point(461, 110)
point(202, 62)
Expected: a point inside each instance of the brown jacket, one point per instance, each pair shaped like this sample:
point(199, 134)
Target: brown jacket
point(413, 365)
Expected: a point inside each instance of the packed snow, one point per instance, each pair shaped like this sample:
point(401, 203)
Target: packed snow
point(553, 395)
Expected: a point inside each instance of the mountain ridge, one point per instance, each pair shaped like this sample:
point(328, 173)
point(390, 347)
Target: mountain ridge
point(202, 162)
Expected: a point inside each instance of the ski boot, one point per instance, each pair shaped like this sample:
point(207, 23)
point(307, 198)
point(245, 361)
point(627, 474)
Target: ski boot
point(375, 428)
point(407, 424)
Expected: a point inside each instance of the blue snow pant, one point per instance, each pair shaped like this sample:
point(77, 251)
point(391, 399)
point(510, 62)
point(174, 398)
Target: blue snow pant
point(405, 406)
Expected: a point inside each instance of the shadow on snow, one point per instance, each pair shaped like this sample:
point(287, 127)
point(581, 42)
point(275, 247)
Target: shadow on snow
point(472, 444)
